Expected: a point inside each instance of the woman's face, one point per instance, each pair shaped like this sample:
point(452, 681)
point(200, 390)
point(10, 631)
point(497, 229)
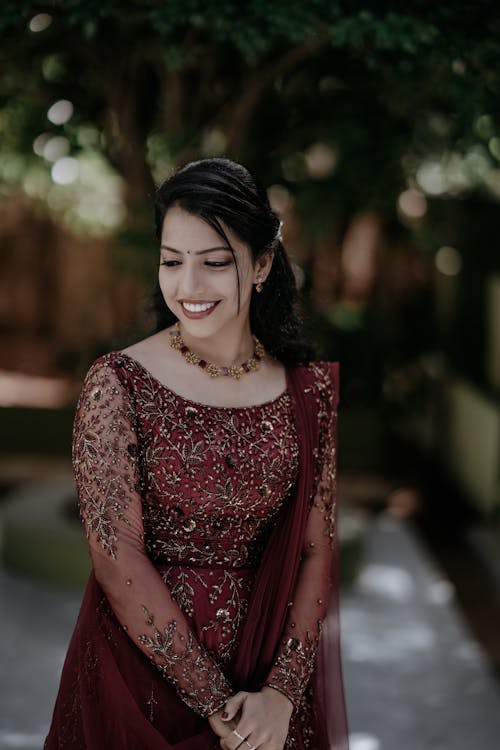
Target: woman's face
point(198, 276)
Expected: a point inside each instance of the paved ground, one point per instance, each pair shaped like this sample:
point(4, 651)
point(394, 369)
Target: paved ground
point(414, 678)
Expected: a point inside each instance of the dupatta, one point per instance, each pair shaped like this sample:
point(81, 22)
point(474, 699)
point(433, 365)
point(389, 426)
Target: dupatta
point(277, 576)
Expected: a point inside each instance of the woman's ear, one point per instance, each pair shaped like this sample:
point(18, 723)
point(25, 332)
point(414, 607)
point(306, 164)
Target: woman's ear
point(263, 264)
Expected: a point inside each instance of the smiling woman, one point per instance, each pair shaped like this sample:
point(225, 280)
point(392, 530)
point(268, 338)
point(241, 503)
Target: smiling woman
point(208, 496)
point(208, 280)
point(213, 284)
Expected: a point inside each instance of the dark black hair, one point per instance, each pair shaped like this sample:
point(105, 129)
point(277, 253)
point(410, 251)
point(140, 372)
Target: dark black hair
point(223, 192)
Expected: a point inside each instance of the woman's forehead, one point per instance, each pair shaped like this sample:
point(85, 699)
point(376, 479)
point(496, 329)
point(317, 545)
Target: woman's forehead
point(184, 231)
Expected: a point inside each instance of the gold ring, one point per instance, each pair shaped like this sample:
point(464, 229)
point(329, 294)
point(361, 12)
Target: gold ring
point(239, 735)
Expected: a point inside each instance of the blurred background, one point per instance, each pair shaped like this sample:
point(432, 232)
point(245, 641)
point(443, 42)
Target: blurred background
point(375, 128)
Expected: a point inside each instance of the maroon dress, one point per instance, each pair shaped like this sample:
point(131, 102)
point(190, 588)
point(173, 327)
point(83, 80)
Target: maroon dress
point(211, 535)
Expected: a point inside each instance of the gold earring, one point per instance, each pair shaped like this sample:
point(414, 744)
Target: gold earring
point(258, 285)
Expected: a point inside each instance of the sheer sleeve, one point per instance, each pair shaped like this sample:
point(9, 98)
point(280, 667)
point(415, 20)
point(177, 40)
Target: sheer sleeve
point(295, 658)
point(108, 484)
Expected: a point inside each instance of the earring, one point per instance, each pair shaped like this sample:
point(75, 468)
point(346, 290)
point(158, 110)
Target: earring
point(258, 285)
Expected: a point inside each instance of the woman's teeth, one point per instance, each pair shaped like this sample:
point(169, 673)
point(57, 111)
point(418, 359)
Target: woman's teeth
point(198, 308)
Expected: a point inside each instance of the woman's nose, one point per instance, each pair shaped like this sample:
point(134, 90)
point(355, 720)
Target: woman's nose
point(191, 281)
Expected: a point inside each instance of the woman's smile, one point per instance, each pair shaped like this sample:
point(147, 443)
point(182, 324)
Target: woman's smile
point(197, 309)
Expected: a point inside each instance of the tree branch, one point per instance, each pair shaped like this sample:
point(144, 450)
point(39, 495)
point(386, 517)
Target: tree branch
point(240, 112)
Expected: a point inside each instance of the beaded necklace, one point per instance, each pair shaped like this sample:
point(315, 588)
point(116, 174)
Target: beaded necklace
point(235, 371)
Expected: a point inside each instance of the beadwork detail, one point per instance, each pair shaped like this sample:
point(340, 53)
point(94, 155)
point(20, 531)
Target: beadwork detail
point(294, 666)
point(185, 664)
point(178, 499)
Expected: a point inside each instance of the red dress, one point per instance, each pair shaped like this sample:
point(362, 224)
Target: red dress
point(179, 500)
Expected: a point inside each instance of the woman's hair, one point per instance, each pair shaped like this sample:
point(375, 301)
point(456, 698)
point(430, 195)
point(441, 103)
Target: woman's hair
point(224, 193)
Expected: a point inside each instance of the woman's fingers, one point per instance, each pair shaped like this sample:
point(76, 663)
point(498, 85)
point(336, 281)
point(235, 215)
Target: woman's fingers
point(220, 727)
point(233, 740)
point(233, 705)
point(264, 721)
point(236, 740)
point(250, 744)
point(241, 739)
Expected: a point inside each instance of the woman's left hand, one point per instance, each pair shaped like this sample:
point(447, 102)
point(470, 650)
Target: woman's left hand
point(265, 717)
point(221, 727)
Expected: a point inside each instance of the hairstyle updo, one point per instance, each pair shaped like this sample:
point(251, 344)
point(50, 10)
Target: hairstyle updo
point(225, 194)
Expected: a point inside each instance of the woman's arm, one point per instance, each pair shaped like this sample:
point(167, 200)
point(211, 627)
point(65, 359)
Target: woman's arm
point(265, 719)
point(296, 655)
point(108, 484)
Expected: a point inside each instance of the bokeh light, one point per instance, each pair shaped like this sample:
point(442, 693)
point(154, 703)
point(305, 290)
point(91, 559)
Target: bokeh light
point(412, 204)
point(430, 176)
point(448, 261)
point(494, 147)
point(321, 160)
point(484, 126)
point(55, 148)
point(362, 741)
point(39, 143)
point(60, 112)
point(279, 198)
point(65, 171)
point(40, 22)
point(20, 389)
point(477, 162)
point(214, 142)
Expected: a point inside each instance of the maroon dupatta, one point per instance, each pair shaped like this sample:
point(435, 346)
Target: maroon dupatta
point(277, 576)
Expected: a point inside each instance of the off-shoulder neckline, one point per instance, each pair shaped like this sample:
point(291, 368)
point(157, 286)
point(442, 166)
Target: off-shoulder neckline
point(200, 404)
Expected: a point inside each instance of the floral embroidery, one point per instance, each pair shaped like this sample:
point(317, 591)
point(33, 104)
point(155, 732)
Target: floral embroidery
point(326, 490)
point(98, 452)
point(184, 663)
point(226, 591)
point(192, 491)
point(294, 666)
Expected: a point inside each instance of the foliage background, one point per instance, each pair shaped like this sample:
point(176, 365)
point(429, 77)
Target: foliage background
point(340, 107)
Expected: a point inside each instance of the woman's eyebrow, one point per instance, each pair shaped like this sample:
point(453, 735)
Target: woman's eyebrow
point(200, 252)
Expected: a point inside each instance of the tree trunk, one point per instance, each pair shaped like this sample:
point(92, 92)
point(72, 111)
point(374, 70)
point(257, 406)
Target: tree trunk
point(129, 118)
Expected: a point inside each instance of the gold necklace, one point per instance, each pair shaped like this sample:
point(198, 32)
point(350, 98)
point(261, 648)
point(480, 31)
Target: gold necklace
point(235, 371)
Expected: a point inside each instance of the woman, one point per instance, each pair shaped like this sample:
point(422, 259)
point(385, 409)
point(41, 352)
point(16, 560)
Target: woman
point(205, 460)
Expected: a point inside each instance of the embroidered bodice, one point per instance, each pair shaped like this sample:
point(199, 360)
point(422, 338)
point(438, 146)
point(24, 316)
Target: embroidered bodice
point(178, 499)
point(213, 477)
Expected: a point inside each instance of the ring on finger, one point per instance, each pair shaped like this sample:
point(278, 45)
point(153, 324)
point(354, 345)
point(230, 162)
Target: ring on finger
point(239, 735)
point(252, 747)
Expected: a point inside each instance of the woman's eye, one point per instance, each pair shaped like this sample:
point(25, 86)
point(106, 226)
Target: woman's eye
point(209, 263)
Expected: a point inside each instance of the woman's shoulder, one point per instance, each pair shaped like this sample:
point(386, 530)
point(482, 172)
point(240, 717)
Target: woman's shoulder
point(111, 360)
point(119, 361)
point(107, 369)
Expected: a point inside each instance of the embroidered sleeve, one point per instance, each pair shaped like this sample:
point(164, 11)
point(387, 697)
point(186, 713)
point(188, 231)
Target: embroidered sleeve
point(108, 484)
point(295, 659)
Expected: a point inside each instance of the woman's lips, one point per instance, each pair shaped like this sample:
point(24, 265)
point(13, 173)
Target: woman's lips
point(198, 309)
